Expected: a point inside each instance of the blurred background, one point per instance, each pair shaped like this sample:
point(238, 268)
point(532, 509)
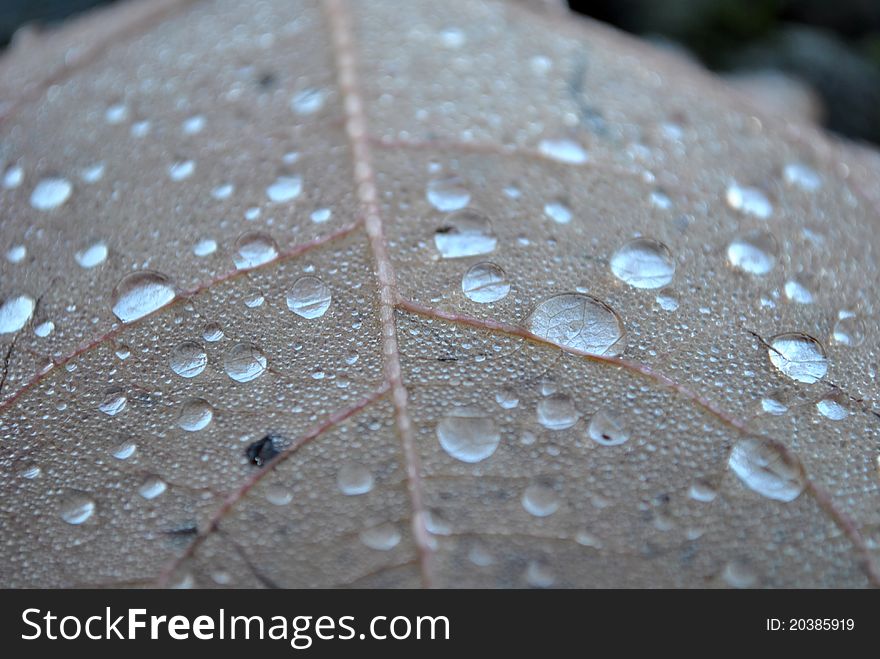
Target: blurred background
point(816, 58)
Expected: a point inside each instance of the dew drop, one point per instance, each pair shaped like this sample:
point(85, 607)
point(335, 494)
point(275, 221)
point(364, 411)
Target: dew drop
point(308, 101)
point(465, 233)
point(205, 247)
point(773, 406)
point(753, 252)
point(44, 329)
point(558, 212)
point(195, 414)
point(93, 173)
point(50, 193)
point(849, 330)
point(309, 297)
point(254, 298)
point(797, 290)
point(254, 248)
point(93, 255)
point(749, 201)
point(193, 125)
point(321, 215)
point(16, 253)
point(540, 500)
point(801, 176)
point(13, 177)
point(447, 194)
point(77, 507)
point(832, 409)
point(212, 332)
point(28, 471)
point(382, 537)
point(278, 495)
point(563, 150)
point(244, 362)
point(485, 283)
point(141, 293)
point(285, 188)
point(467, 434)
point(116, 114)
point(799, 356)
point(557, 412)
point(353, 479)
point(703, 491)
point(124, 450)
point(152, 487)
point(15, 312)
point(643, 263)
point(223, 191)
point(539, 575)
point(507, 398)
point(188, 359)
point(667, 300)
point(607, 428)
point(739, 574)
point(768, 470)
point(181, 170)
point(578, 321)
point(114, 402)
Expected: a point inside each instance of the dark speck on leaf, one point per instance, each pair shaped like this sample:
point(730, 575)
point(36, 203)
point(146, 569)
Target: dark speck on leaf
point(263, 450)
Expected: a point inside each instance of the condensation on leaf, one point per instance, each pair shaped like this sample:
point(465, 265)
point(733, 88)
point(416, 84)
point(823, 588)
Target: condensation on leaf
point(582, 322)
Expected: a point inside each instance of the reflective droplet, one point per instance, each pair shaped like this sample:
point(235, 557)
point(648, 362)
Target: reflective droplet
point(15, 312)
point(832, 409)
point(223, 191)
point(739, 574)
point(557, 412)
point(13, 177)
point(447, 194)
point(188, 359)
point(799, 356)
point(205, 247)
point(244, 362)
point(749, 201)
point(773, 406)
point(703, 491)
point(382, 537)
point(308, 101)
point(484, 283)
point(285, 188)
point(114, 402)
point(607, 428)
point(850, 330)
point(540, 500)
point(797, 290)
point(587, 539)
point(124, 450)
point(802, 176)
point(193, 125)
point(50, 193)
point(578, 321)
point(93, 173)
point(558, 212)
point(28, 471)
point(152, 487)
point(16, 253)
point(539, 575)
point(44, 329)
point(764, 467)
point(140, 129)
point(465, 233)
point(309, 297)
point(195, 414)
point(353, 479)
point(643, 263)
point(507, 398)
point(278, 495)
point(212, 332)
point(753, 252)
point(77, 507)
point(563, 150)
point(141, 293)
point(181, 170)
point(321, 215)
point(667, 300)
point(93, 255)
point(253, 299)
point(116, 114)
point(467, 434)
point(254, 248)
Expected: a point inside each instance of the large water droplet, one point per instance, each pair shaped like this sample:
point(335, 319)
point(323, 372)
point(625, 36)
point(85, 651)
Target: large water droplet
point(467, 434)
point(563, 150)
point(763, 466)
point(749, 201)
point(254, 248)
point(141, 293)
point(15, 312)
point(447, 194)
point(382, 537)
point(244, 362)
point(93, 255)
point(77, 507)
point(753, 252)
point(465, 233)
point(799, 356)
point(484, 283)
point(557, 412)
point(50, 193)
point(578, 321)
point(285, 188)
point(643, 263)
point(540, 500)
point(353, 479)
point(195, 414)
point(309, 297)
point(607, 428)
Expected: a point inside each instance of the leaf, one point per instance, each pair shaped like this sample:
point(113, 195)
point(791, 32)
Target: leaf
point(239, 349)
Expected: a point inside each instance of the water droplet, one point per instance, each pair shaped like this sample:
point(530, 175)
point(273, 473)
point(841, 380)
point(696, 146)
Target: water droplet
point(309, 297)
point(539, 575)
point(244, 362)
point(452, 38)
point(465, 233)
point(254, 248)
point(797, 290)
point(849, 330)
point(773, 406)
point(563, 150)
point(124, 450)
point(832, 409)
point(123, 352)
point(802, 176)
point(188, 359)
point(703, 491)
point(749, 201)
point(321, 215)
point(799, 356)
point(93, 255)
point(607, 428)
point(285, 188)
point(50, 193)
point(753, 252)
point(739, 574)
point(152, 487)
point(448, 194)
point(540, 500)
point(15, 312)
point(558, 212)
point(140, 129)
point(93, 173)
point(667, 300)
point(195, 414)
point(212, 332)
point(116, 114)
point(353, 479)
point(578, 321)
point(77, 507)
point(205, 247)
point(44, 329)
point(193, 125)
point(141, 293)
point(308, 101)
point(467, 434)
point(254, 298)
point(763, 466)
point(223, 191)
point(114, 402)
point(587, 539)
point(382, 537)
point(13, 177)
point(278, 495)
point(181, 170)
point(484, 283)
point(557, 412)
point(28, 471)
point(16, 253)
point(643, 263)
point(507, 398)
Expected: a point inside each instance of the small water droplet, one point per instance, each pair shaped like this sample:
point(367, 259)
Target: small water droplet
point(44, 329)
point(578, 321)
point(832, 409)
point(507, 398)
point(667, 300)
point(93, 255)
point(749, 201)
point(849, 330)
point(141, 293)
point(77, 507)
point(15, 312)
point(321, 215)
point(28, 470)
point(558, 212)
point(353, 479)
point(195, 414)
point(93, 173)
point(212, 332)
point(223, 191)
point(193, 125)
point(557, 412)
point(152, 487)
point(643, 263)
point(124, 450)
point(465, 233)
point(140, 129)
point(114, 402)
point(309, 297)
point(254, 248)
point(802, 176)
point(539, 575)
point(739, 574)
point(763, 466)
point(278, 495)
point(285, 188)
point(16, 253)
point(540, 500)
point(13, 177)
point(607, 428)
point(799, 356)
point(188, 359)
point(382, 537)
point(244, 362)
point(797, 290)
point(467, 434)
point(254, 298)
point(116, 114)
point(563, 150)
point(205, 247)
point(308, 101)
point(703, 491)
point(447, 194)
point(181, 170)
point(753, 252)
point(50, 193)
point(485, 283)
point(773, 406)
